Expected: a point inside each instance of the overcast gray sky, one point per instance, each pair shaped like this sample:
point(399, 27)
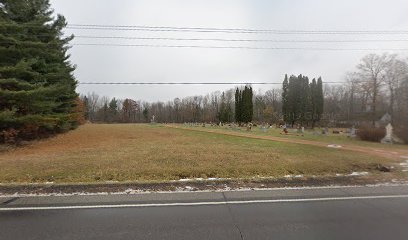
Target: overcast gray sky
point(132, 64)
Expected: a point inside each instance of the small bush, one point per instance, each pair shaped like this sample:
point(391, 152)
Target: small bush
point(402, 133)
point(371, 134)
point(9, 136)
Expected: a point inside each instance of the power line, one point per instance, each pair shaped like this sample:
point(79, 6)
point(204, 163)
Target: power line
point(213, 29)
point(227, 30)
point(175, 83)
point(239, 47)
point(221, 39)
point(224, 47)
point(239, 40)
point(248, 32)
point(190, 83)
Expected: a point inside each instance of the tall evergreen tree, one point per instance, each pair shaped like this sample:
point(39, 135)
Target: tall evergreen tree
point(319, 99)
point(305, 115)
point(238, 113)
point(285, 106)
point(313, 95)
point(86, 107)
point(302, 101)
point(244, 107)
point(37, 86)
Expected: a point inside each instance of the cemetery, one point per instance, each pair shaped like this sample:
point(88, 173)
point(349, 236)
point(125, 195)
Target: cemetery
point(102, 153)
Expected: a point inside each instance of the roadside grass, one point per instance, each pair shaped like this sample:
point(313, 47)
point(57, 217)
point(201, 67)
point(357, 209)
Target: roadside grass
point(141, 152)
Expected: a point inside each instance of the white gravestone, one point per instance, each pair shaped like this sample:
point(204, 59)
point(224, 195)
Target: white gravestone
point(388, 134)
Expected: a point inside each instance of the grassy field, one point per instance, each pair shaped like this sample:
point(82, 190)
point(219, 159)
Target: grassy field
point(136, 152)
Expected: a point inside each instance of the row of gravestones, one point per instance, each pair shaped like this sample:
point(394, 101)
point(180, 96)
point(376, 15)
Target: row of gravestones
point(264, 128)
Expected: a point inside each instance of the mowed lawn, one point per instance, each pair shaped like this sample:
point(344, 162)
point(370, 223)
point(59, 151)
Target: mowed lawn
point(137, 152)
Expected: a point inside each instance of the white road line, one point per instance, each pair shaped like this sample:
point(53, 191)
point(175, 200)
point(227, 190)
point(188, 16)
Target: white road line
point(202, 203)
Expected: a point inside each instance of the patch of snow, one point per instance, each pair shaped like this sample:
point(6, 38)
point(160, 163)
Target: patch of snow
point(339, 174)
point(299, 176)
point(199, 179)
point(358, 174)
point(226, 188)
point(403, 164)
point(334, 146)
point(49, 182)
point(288, 176)
point(188, 188)
point(185, 180)
point(394, 182)
point(405, 170)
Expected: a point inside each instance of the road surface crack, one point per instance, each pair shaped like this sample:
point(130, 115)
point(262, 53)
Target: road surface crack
point(232, 216)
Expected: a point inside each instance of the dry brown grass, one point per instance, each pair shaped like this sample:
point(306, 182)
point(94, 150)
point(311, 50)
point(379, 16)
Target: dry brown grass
point(130, 152)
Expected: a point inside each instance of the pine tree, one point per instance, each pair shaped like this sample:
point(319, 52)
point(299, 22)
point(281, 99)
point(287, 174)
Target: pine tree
point(313, 95)
point(305, 100)
point(112, 110)
point(285, 104)
point(250, 104)
point(37, 86)
point(221, 112)
point(238, 106)
point(86, 107)
point(146, 114)
point(319, 99)
point(302, 101)
point(244, 108)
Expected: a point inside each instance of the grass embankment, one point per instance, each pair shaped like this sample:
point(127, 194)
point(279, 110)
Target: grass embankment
point(136, 152)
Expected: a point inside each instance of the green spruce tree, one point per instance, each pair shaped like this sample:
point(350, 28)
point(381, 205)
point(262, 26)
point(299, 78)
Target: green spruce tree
point(285, 104)
point(319, 99)
point(37, 86)
point(238, 105)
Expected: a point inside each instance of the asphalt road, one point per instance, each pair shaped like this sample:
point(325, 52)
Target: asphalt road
point(324, 213)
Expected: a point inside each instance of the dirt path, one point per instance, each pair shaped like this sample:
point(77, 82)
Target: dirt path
point(388, 153)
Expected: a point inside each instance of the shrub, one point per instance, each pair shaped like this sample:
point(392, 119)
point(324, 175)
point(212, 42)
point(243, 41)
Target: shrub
point(9, 136)
point(402, 133)
point(371, 134)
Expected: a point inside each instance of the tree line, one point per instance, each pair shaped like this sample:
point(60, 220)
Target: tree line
point(215, 107)
point(378, 85)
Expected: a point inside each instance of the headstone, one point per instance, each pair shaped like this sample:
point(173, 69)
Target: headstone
point(302, 130)
point(249, 127)
point(388, 134)
point(352, 132)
